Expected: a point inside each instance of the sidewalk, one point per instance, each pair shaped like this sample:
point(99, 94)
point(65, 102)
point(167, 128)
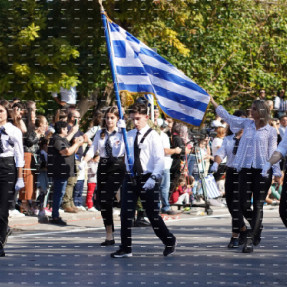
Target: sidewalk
point(85, 219)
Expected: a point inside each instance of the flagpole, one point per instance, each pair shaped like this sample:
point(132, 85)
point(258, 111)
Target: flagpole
point(118, 100)
point(152, 109)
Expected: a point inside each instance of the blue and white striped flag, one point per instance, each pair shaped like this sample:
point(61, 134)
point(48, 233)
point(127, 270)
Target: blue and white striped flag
point(139, 69)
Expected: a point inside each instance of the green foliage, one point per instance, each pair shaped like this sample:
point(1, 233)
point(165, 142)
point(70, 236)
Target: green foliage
point(230, 48)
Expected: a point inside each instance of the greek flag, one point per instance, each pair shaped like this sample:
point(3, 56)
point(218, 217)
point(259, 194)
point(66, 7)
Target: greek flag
point(139, 69)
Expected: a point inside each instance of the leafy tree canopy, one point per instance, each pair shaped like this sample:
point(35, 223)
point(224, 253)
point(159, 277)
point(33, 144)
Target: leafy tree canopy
point(230, 48)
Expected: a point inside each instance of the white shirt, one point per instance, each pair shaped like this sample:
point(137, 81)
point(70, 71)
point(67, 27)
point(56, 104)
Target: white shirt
point(67, 96)
point(280, 104)
point(256, 146)
point(14, 136)
point(226, 150)
point(151, 154)
point(215, 145)
point(166, 144)
point(92, 131)
point(98, 145)
point(282, 131)
point(92, 171)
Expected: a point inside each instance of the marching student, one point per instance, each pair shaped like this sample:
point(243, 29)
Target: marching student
point(148, 154)
point(258, 142)
point(108, 142)
point(229, 149)
point(278, 154)
point(11, 168)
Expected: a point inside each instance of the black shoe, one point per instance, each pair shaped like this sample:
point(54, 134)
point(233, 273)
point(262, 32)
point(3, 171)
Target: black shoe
point(58, 221)
point(242, 237)
point(234, 242)
point(141, 222)
point(248, 245)
point(169, 249)
point(2, 252)
point(121, 254)
point(257, 237)
point(108, 242)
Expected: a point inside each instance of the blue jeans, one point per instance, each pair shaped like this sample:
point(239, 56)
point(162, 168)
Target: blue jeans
point(164, 190)
point(191, 160)
point(60, 185)
point(78, 192)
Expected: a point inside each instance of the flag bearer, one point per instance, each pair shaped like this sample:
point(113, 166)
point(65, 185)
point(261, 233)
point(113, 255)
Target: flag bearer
point(148, 153)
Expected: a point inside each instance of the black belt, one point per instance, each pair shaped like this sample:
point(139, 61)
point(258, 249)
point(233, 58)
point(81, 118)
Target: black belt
point(111, 159)
point(7, 159)
point(145, 176)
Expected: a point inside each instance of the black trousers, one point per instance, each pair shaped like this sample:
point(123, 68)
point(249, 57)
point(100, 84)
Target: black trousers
point(8, 175)
point(251, 182)
point(150, 202)
point(232, 196)
point(283, 201)
point(110, 176)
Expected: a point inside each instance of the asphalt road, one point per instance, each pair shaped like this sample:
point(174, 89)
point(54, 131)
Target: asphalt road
point(44, 255)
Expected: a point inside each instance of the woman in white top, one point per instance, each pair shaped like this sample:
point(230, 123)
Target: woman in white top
point(228, 150)
point(258, 142)
point(11, 168)
point(108, 142)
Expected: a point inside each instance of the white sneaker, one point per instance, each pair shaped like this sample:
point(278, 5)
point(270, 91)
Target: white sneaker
point(15, 213)
point(48, 212)
point(116, 212)
point(92, 209)
point(61, 210)
point(36, 212)
point(81, 208)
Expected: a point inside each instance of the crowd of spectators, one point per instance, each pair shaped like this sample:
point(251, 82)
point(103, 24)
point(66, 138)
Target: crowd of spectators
point(188, 155)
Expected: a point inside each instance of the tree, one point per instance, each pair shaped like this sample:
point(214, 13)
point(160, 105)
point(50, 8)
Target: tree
point(230, 48)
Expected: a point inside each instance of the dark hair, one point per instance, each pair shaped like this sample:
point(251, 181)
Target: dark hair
point(138, 108)
point(18, 105)
point(97, 118)
point(283, 116)
point(59, 126)
point(176, 128)
point(70, 115)
point(240, 113)
point(279, 92)
point(237, 113)
point(111, 110)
